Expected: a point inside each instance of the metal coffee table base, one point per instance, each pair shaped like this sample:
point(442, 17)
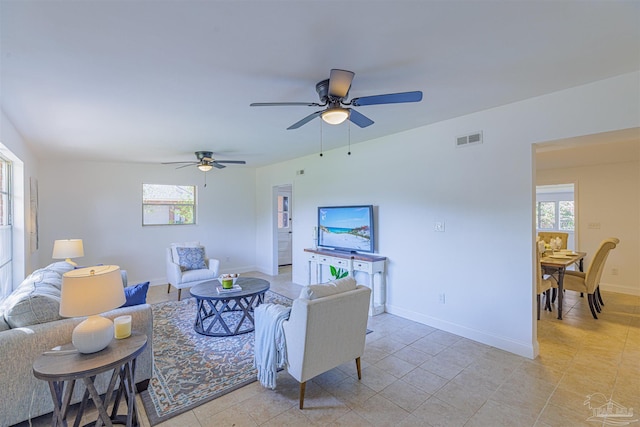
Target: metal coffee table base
point(217, 312)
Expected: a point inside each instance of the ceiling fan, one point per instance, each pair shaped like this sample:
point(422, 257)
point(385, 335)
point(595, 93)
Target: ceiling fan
point(333, 93)
point(206, 162)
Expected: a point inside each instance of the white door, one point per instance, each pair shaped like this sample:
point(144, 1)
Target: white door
point(284, 226)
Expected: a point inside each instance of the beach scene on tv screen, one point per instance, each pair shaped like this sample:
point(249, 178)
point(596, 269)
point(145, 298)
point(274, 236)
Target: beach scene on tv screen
point(345, 228)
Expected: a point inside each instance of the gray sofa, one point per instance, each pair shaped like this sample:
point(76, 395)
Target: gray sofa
point(30, 324)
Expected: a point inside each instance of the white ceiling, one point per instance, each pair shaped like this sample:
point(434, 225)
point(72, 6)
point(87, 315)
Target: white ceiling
point(146, 81)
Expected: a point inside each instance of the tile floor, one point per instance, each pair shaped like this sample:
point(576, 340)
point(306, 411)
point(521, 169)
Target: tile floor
point(415, 375)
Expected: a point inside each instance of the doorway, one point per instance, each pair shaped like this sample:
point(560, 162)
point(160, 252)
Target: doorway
point(284, 226)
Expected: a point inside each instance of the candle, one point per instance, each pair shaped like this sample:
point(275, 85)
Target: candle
point(122, 327)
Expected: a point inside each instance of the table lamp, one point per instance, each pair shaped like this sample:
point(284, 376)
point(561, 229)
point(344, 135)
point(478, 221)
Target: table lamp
point(67, 249)
point(88, 292)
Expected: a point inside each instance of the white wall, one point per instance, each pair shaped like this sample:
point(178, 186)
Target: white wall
point(101, 203)
point(608, 194)
point(483, 262)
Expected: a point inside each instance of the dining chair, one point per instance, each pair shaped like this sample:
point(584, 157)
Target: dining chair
point(589, 282)
point(543, 285)
point(546, 236)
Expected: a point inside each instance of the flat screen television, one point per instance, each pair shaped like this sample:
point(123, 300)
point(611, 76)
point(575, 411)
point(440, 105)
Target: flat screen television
point(346, 228)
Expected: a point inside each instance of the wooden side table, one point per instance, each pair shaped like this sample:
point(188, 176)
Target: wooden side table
point(62, 366)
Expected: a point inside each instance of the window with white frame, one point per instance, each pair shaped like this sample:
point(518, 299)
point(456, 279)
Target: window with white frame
point(6, 228)
point(555, 215)
point(555, 208)
point(168, 204)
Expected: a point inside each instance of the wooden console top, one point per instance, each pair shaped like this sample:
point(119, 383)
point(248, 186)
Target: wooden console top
point(347, 255)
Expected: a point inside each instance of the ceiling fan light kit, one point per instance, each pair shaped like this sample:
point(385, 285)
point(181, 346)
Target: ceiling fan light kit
point(335, 116)
point(205, 167)
point(333, 93)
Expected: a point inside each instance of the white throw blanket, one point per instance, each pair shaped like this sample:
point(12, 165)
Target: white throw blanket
point(270, 347)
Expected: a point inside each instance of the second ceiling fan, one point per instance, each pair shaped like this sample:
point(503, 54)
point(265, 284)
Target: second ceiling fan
point(333, 93)
point(206, 162)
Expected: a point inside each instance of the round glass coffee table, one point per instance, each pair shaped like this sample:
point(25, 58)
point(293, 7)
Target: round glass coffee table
point(227, 313)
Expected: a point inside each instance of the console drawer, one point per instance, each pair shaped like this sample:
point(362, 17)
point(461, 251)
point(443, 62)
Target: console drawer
point(339, 262)
point(363, 266)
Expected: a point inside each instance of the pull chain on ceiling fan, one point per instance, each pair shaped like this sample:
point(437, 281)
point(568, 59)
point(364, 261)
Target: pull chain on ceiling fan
point(333, 93)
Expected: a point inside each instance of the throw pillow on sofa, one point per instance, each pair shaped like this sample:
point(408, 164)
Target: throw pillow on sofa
point(4, 326)
point(37, 299)
point(136, 295)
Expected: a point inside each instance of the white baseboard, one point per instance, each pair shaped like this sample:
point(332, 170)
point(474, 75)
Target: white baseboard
point(163, 280)
point(239, 270)
point(157, 282)
point(524, 349)
point(620, 289)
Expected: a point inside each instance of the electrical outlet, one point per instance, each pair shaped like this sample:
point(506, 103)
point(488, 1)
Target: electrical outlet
point(438, 226)
point(614, 271)
point(441, 298)
point(227, 259)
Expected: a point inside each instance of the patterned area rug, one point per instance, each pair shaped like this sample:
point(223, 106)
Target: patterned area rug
point(191, 369)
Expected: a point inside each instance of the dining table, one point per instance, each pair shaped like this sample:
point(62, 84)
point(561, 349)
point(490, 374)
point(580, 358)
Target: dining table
point(555, 263)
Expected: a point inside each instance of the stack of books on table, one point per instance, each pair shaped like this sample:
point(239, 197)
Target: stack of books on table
point(222, 290)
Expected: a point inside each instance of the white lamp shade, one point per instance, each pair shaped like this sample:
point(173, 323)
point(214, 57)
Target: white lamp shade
point(205, 167)
point(91, 290)
point(335, 116)
point(68, 248)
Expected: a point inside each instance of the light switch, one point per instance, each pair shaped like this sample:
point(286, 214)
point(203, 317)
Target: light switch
point(438, 226)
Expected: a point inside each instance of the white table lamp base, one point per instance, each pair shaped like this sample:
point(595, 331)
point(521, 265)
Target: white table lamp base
point(93, 334)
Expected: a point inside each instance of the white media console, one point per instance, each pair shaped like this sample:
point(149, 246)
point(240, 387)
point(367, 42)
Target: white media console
point(372, 265)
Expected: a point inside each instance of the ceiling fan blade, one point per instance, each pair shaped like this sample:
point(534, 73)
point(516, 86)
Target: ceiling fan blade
point(235, 162)
point(284, 104)
point(176, 163)
point(340, 82)
point(187, 165)
point(215, 164)
point(305, 120)
point(390, 98)
point(359, 119)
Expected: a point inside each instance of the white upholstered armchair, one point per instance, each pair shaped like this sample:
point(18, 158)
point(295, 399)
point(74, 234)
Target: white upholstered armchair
point(194, 267)
point(325, 332)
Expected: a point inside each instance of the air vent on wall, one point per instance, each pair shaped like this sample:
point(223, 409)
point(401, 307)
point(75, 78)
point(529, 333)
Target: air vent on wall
point(471, 139)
